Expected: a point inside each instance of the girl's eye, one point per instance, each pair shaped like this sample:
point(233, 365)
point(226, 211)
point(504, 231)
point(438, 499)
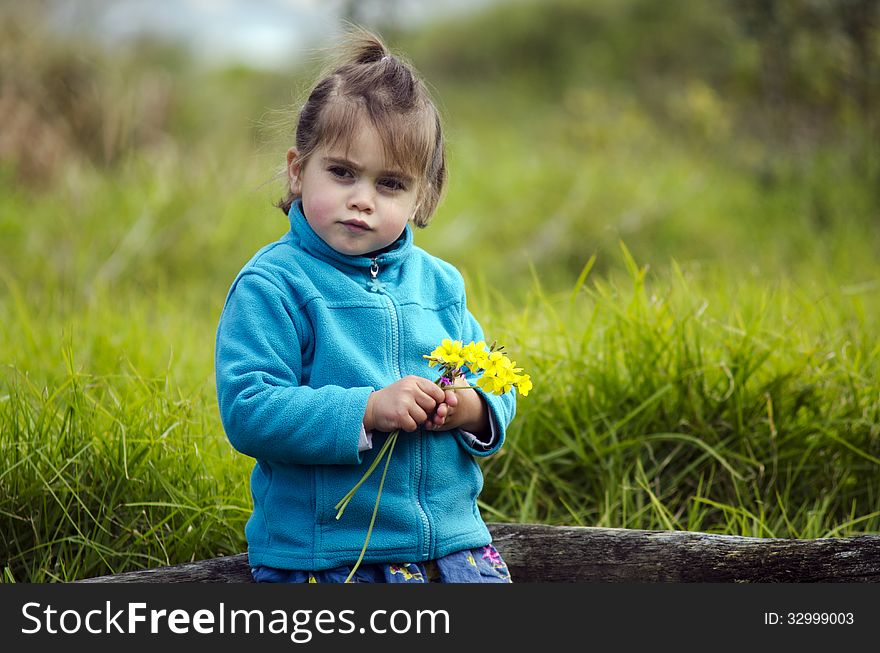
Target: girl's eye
point(339, 171)
point(392, 184)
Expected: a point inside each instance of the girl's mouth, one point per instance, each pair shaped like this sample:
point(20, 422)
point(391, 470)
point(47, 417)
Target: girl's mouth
point(356, 226)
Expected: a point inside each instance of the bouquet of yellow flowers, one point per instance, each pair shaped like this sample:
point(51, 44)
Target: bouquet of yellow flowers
point(497, 375)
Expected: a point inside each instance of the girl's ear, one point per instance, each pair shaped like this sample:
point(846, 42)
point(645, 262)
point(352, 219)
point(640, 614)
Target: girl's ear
point(294, 171)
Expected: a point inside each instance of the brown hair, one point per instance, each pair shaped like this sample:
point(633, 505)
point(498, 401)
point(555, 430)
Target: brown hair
point(369, 81)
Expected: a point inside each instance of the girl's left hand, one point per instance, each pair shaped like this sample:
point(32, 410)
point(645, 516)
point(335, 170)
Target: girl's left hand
point(459, 409)
point(444, 413)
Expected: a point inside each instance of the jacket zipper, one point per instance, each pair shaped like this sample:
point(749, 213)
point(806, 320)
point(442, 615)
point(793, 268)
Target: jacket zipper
point(379, 288)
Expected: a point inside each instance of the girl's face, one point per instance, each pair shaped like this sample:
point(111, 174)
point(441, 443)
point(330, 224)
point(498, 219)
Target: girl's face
point(352, 198)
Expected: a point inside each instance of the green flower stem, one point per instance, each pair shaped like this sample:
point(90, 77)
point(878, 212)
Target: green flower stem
point(343, 502)
point(393, 439)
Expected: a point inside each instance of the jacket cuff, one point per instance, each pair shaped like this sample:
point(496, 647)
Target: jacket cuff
point(475, 442)
point(348, 449)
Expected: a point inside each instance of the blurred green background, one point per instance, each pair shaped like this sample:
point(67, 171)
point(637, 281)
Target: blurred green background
point(669, 213)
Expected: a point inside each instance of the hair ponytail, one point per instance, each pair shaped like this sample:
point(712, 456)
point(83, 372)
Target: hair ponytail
point(364, 47)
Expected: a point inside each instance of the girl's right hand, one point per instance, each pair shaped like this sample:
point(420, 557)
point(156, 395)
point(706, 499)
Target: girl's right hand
point(403, 405)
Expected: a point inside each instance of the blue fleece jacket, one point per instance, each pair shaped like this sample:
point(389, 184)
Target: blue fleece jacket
point(306, 334)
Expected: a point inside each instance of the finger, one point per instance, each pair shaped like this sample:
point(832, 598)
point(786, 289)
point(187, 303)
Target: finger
point(417, 415)
point(426, 402)
point(451, 398)
point(437, 418)
point(432, 390)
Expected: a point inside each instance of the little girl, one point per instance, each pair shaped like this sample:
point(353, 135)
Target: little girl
point(319, 352)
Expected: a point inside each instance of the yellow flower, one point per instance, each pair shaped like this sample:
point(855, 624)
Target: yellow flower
point(500, 375)
point(474, 354)
point(496, 384)
point(486, 384)
point(497, 364)
point(449, 351)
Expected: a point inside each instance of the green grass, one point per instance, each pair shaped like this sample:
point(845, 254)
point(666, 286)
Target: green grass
point(694, 401)
point(688, 400)
point(114, 470)
point(104, 474)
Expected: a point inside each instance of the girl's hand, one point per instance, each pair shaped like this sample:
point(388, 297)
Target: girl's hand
point(461, 409)
point(445, 411)
point(403, 405)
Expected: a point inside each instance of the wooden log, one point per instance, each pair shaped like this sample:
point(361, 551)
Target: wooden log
point(539, 553)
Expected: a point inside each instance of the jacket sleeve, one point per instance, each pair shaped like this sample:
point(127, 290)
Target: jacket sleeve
point(502, 408)
point(266, 412)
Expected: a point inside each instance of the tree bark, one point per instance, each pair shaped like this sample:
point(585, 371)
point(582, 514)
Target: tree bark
point(559, 554)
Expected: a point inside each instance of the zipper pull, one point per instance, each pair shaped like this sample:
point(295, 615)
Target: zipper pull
point(374, 284)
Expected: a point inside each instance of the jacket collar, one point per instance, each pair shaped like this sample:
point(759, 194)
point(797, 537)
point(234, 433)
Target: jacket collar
point(309, 241)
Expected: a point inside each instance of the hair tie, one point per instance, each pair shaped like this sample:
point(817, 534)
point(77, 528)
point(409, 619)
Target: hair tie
point(384, 57)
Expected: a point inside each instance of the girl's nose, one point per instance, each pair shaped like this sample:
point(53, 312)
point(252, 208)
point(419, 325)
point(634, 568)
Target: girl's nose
point(361, 198)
